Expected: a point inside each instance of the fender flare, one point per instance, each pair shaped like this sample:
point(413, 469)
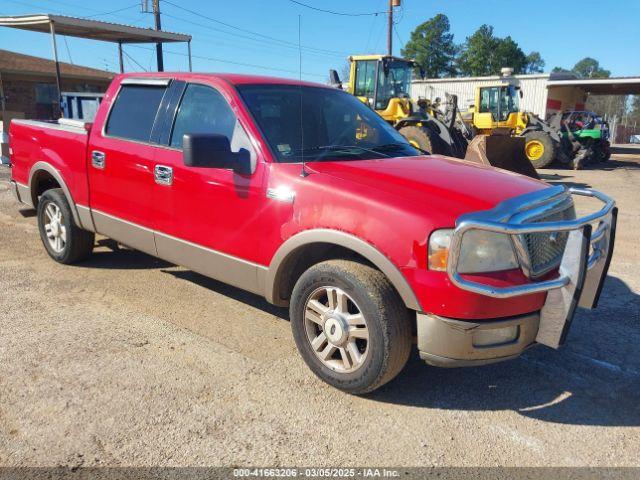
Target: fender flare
point(51, 170)
point(342, 239)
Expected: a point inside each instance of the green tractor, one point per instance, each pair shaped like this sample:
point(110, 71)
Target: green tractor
point(591, 131)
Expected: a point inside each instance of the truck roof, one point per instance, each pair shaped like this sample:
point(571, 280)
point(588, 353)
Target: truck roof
point(233, 78)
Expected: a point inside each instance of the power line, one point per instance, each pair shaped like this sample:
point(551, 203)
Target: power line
point(243, 64)
point(134, 60)
point(66, 44)
point(234, 27)
point(343, 14)
point(255, 40)
point(243, 42)
point(112, 12)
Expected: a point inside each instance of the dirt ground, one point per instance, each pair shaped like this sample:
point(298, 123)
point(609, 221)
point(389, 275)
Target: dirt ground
point(126, 360)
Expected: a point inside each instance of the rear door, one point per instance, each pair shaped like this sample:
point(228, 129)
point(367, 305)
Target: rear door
point(120, 167)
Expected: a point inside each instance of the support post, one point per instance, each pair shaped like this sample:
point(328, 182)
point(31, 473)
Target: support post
point(390, 30)
point(55, 59)
point(156, 16)
point(189, 50)
point(120, 56)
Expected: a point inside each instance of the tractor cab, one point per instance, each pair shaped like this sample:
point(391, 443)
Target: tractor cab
point(497, 106)
point(383, 82)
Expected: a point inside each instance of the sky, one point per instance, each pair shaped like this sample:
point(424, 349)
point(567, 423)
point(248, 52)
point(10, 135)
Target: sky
point(261, 36)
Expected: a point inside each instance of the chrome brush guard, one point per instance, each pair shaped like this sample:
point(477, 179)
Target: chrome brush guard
point(582, 265)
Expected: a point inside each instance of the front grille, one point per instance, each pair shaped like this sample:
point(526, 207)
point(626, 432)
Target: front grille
point(545, 249)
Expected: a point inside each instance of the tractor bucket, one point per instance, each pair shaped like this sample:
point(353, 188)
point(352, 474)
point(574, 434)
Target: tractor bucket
point(501, 151)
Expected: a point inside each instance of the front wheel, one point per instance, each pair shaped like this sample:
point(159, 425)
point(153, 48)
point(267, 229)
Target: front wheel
point(422, 138)
point(539, 148)
point(350, 326)
point(64, 241)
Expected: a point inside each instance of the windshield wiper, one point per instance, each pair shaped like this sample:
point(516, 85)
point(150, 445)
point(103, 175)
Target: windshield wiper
point(390, 146)
point(347, 148)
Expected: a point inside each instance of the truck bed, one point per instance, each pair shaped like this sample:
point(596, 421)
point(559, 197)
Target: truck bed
point(60, 145)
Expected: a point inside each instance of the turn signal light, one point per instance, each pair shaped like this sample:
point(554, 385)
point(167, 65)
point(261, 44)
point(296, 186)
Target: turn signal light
point(439, 243)
point(438, 260)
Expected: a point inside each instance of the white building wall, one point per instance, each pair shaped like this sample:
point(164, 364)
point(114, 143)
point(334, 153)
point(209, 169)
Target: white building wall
point(534, 90)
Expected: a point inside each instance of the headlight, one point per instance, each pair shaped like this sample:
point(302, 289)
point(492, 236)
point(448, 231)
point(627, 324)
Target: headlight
point(486, 252)
point(480, 251)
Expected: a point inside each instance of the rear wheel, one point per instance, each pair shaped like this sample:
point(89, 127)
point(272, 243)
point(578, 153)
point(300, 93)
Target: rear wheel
point(350, 326)
point(539, 148)
point(62, 239)
point(421, 137)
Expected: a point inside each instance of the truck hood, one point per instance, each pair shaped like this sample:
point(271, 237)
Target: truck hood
point(451, 186)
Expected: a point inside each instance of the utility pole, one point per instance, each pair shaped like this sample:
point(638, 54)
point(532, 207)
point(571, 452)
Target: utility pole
point(156, 16)
point(392, 3)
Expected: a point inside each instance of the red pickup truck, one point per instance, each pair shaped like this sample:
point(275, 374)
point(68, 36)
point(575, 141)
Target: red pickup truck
point(303, 194)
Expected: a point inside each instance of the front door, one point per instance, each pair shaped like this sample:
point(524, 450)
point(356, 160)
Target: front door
point(207, 219)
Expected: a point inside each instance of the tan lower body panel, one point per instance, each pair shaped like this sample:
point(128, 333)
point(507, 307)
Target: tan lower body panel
point(129, 234)
point(22, 193)
point(225, 268)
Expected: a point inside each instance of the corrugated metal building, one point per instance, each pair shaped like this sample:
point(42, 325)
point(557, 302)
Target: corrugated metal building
point(533, 87)
point(543, 94)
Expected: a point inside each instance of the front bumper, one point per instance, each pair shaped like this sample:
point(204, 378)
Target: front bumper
point(581, 274)
point(445, 342)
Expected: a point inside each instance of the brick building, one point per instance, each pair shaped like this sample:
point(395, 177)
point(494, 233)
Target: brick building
point(28, 88)
point(28, 85)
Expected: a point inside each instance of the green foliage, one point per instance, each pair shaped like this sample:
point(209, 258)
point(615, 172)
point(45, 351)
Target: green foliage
point(431, 46)
point(485, 54)
point(535, 63)
point(590, 68)
point(634, 111)
point(477, 54)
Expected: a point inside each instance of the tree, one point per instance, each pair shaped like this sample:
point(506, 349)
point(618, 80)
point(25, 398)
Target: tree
point(535, 63)
point(476, 55)
point(634, 113)
point(509, 54)
point(485, 54)
point(431, 46)
point(590, 68)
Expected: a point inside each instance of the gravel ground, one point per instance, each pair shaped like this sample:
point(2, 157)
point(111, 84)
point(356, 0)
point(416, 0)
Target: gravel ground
point(125, 360)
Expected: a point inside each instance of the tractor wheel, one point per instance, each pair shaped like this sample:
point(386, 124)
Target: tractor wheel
point(422, 138)
point(539, 148)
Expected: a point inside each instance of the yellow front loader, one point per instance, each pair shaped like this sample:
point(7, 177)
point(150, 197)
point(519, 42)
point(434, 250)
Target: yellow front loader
point(496, 110)
point(383, 82)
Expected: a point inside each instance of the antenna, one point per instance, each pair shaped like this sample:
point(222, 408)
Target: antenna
point(303, 172)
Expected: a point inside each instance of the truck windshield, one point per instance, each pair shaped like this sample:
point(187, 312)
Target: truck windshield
point(316, 123)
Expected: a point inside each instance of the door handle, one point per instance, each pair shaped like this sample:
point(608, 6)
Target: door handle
point(163, 174)
point(98, 159)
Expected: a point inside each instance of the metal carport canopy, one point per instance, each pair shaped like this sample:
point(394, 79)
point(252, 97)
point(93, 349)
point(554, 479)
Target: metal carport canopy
point(602, 86)
point(91, 29)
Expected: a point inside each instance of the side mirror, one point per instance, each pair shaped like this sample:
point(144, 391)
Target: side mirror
point(334, 79)
point(210, 150)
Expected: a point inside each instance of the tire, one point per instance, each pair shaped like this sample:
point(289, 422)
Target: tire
point(421, 137)
point(62, 239)
point(539, 148)
point(356, 288)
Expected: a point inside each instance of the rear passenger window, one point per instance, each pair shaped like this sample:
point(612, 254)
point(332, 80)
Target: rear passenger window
point(203, 110)
point(134, 112)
